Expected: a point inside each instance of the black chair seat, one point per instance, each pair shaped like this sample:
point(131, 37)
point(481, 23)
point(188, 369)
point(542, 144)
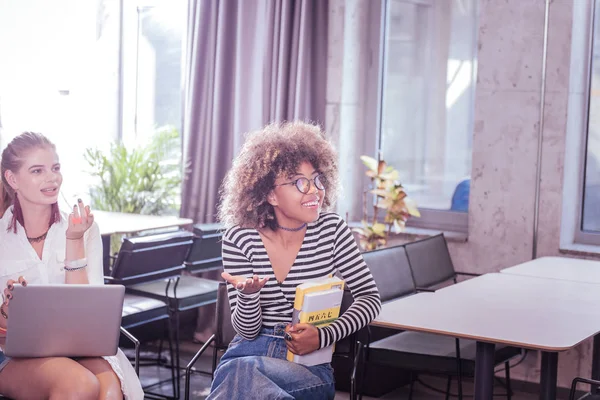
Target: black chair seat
point(139, 310)
point(431, 353)
point(191, 292)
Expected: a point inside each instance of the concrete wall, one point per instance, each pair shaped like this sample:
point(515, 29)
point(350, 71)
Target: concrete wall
point(505, 142)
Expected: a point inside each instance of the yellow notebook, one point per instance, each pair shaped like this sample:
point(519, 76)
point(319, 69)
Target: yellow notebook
point(317, 303)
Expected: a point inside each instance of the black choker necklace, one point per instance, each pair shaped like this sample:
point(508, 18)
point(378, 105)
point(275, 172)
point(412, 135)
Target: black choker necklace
point(292, 229)
point(38, 239)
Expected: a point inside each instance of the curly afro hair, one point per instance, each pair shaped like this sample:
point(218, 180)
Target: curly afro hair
point(277, 149)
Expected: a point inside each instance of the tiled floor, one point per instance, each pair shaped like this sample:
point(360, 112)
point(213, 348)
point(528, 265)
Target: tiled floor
point(200, 383)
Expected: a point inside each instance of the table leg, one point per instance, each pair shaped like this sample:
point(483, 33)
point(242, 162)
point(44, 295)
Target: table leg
point(596, 362)
point(548, 373)
point(484, 371)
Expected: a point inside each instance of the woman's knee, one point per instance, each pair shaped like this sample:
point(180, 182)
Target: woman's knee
point(240, 364)
point(76, 384)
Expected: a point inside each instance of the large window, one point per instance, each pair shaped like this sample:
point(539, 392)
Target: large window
point(153, 33)
point(590, 216)
point(51, 80)
point(112, 72)
point(427, 102)
point(580, 224)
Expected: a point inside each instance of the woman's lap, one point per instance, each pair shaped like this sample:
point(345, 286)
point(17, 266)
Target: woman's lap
point(35, 377)
point(258, 369)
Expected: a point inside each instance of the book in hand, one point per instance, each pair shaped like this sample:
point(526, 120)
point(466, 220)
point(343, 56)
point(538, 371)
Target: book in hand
point(317, 303)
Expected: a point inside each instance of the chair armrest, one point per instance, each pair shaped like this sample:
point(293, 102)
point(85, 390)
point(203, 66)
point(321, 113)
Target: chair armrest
point(581, 380)
point(188, 368)
point(467, 273)
point(136, 343)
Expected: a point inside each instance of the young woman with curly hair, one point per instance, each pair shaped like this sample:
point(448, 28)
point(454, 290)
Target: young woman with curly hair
point(279, 235)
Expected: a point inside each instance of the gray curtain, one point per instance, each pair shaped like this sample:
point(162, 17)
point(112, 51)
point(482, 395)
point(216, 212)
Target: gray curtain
point(249, 62)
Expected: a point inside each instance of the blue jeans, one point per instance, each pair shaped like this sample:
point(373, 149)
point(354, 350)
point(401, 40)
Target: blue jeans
point(257, 369)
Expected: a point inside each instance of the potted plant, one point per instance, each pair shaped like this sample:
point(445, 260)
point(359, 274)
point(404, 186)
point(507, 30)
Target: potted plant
point(389, 196)
point(142, 180)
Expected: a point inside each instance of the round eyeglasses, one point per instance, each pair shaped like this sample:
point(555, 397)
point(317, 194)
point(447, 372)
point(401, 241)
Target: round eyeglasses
point(303, 184)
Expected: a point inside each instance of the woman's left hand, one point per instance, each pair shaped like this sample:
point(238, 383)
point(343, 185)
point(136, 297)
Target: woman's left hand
point(80, 221)
point(304, 338)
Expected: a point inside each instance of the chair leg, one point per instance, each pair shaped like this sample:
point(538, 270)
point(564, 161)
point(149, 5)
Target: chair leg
point(363, 372)
point(188, 368)
point(363, 375)
point(177, 365)
point(160, 345)
point(136, 343)
point(411, 387)
point(214, 363)
point(507, 374)
point(172, 355)
point(355, 367)
point(448, 384)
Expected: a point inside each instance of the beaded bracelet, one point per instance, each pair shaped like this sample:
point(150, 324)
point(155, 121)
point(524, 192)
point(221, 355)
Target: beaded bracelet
point(74, 265)
point(76, 268)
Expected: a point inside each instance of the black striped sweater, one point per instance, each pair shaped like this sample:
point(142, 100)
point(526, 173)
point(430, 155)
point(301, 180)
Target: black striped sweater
point(328, 247)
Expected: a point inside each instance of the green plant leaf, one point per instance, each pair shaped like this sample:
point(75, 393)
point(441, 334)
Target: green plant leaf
point(411, 207)
point(378, 228)
point(144, 180)
point(370, 163)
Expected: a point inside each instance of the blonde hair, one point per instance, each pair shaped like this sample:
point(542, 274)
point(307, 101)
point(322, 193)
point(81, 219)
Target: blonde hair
point(13, 158)
point(277, 149)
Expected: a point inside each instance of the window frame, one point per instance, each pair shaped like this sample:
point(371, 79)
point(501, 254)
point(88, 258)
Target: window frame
point(435, 219)
point(581, 236)
point(572, 237)
point(128, 103)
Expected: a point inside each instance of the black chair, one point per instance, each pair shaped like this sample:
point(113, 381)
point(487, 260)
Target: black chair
point(430, 262)
point(205, 254)
point(149, 259)
point(416, 351)
point(150, 267)
point(391, 272)
point(138, 311)
point(594, 394)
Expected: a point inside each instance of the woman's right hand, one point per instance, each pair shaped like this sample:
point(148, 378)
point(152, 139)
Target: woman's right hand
point(245, 285)
point(7, 295)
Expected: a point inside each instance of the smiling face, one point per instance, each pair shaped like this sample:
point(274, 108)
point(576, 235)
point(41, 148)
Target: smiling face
point(292, 207)
point(38, 180)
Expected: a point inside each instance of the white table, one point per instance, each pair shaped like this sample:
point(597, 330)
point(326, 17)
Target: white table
point(115, 222)
point(550, 315)
point(563, 268)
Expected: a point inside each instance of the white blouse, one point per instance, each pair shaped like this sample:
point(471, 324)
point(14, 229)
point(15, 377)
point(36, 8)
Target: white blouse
point(19, 258)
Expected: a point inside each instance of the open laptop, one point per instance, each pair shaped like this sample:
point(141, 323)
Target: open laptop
point(64, 320)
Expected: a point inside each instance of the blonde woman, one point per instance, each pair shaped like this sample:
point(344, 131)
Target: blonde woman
point(40, 244)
